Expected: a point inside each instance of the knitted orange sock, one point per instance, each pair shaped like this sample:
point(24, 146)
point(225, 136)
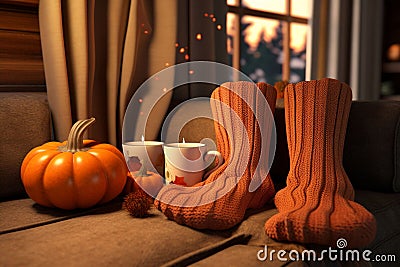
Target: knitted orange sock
point(316, 205)
point(237, 123)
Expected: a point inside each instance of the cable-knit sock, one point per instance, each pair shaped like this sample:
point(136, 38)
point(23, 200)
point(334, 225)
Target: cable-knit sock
point(239, 141)
point(317, 204)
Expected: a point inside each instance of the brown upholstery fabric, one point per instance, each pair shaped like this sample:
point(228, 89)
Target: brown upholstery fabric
point(23, 214)
point(203, 253)
point(372, 147)
point(198, 129)
point(386, 209)
point(241, 255)
point(25, 124)
point(108, 235)
point(104, 238)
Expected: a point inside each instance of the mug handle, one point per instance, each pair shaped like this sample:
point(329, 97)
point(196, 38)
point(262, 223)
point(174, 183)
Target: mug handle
point(219, 163)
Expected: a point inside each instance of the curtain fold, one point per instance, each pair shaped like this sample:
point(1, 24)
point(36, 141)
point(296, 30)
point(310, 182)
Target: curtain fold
point(96, 53)
point(201, 36)
point(116, 40)
point(345, 44)
point(55, 62)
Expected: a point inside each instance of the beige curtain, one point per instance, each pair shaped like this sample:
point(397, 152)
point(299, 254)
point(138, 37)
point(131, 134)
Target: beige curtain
point(96, 54)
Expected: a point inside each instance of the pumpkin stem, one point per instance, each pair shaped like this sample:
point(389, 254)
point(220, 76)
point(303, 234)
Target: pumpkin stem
point(75, 137)
point(142, 172)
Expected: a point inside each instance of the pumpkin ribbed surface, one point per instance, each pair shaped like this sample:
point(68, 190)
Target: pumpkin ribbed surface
point(74, 174)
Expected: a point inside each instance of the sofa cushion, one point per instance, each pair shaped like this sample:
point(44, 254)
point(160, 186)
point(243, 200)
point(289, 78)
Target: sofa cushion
point(244, 255)
point(25, 120)
point(191, 120)
point(200, 254)
point(372, 146)
point(21, 214)
point(386, 209)
point(102, 238)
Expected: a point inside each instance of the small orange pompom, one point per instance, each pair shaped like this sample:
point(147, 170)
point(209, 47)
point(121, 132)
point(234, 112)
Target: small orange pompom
point(137, 204)
point(280, 88)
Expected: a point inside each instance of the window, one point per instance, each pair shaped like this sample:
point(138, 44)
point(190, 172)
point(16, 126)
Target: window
point(267, 38)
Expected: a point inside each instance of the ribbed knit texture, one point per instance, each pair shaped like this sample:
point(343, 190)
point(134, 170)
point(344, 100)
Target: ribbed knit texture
point(317, 204)
point(229, 210)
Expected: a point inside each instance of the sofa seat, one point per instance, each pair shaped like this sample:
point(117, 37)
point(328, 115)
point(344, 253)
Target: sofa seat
point(386, 209)
point(34, 235)
point(38, 236)
point(107, 235)
point(102, 236)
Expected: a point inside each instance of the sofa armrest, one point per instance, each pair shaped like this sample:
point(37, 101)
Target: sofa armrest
point(25, 119)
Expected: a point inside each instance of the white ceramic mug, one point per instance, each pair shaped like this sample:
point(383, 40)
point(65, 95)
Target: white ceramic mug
point(148, 153)
point(185, 163)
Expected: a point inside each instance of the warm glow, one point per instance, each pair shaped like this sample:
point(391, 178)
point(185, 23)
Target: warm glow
point(259, 25)
point(183, 140)
point(231, 21)
point(393, 52)
point(199, 36)
point(298, 36)
point(276, 6)
point(300, 8)
point(268, 26)
point(232, 2)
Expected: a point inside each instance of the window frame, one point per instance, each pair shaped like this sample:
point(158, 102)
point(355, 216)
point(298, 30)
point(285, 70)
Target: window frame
point(241, 11)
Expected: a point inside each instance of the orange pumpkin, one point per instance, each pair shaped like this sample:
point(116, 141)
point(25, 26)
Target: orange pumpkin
point(74, 174)
point(148, 181)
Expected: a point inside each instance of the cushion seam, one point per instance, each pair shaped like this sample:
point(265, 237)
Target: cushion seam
point(43, 223)
point(206, 252)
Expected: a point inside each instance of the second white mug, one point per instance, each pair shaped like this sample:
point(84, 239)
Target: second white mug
point(185, 163)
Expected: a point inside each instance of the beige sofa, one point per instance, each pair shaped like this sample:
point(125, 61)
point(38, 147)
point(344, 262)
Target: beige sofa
point(32, 235)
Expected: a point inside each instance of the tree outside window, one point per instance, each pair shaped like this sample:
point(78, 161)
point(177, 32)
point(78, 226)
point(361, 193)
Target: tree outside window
point(267, 38)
